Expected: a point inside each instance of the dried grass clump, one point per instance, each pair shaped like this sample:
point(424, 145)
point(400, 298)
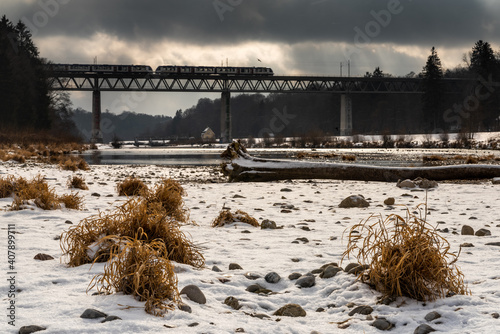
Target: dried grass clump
point(132, 186)
point(406, 257)
point(7, 186)
point(77, 182)
point(37, 190)
point(72, 201)
point(138, 269)
point(349, 157)
point(90, 240)
point(69, 163)
point(432, 158)
point(169, 193)
point(226, 217)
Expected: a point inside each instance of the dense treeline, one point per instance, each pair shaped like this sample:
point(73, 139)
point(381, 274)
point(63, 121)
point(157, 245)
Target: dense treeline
point(476, 107)
point(27, 106)
point(125, 126)
point(24, 96)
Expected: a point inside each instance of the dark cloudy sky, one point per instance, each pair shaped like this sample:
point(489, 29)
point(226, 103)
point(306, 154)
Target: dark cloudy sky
point(291, 36)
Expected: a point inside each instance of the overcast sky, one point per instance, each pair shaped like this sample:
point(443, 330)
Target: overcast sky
point(290, 36)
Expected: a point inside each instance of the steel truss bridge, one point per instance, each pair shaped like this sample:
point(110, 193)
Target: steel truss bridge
point(241, 84)
point(152, 82)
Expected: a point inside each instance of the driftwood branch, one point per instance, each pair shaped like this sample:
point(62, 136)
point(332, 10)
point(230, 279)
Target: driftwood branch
point(241, 166)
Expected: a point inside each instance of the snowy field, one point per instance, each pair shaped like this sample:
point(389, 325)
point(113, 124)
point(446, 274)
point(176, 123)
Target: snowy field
point(53, 295)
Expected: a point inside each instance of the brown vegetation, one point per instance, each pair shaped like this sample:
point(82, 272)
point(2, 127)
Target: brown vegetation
point(92, 239)
point(406, 257)
point(169, 193)
point(72, 201)
point(77, 182)
point(226, 217)
point(132, 186)
point(140, 270)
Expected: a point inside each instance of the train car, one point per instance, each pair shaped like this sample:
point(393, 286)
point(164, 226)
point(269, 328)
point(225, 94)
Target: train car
point(209, 70)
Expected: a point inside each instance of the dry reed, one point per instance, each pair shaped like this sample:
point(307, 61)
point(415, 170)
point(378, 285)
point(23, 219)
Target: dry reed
point(84, 243)
point(406, 257)
point(72, 201)
point(169, 193)
point(132, 186)
point(77, 182)
point(140, 270)
point(226, 217)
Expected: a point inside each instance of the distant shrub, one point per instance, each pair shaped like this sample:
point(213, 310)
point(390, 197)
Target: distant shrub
point(77, 182)
point(72, 201)
point(132, 186)
point(227, 217)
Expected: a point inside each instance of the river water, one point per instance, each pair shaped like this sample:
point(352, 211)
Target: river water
point(189, 156)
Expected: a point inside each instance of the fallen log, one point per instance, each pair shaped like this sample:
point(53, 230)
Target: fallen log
point(241, 166)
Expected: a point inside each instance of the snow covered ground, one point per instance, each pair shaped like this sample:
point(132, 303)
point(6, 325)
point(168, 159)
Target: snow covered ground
point(53, 295)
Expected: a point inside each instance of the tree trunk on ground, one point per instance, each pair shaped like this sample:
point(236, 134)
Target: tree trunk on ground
point(240, 166)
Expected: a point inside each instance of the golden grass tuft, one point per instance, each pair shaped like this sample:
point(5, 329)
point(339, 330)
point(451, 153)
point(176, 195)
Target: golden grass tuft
point(77, 182)
point(140, 270)
point(226, 217)
point(72, 201)
point(147, 222)
point(132, 186)
point(7, 186)
point(169, 193)
point(348, 157)
point(37, 190)
point(406, 257)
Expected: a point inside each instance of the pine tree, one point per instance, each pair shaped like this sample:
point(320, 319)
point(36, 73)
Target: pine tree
point(432, 85)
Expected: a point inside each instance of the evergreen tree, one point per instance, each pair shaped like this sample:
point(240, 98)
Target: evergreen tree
point(432, 75)
point(482, 59)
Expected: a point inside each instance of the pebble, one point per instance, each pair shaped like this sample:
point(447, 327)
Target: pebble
point(432, 316)
point(92, 314)
point(252, 276)
point(31, 329)
point(216, 269)
point(467, 230)
point(43, 257)
point(290, 310)
point(389, 201)
point(194, 293)
point(234, 266)
point(294, 276)
point(268, 224)
point(330, 272)
point(272, 277)
point(232, 302)
point(383, 324)
point(482, 232)
point(111, 318)
point(363, 309)
point(306, 281)
point(423, 329)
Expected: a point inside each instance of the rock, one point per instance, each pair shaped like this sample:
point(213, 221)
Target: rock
point(432, 316)
point(272, 277)
point(96, 195)
point(234, 266)
point(216, 269)
point(424, 183)
point(69, 222)
point(423, 329)
point(363, 309)
point(496, 180)
point(350, 266)
point(268, 224)
point(330, 272)
point(43, 257)
point(495, 315)
point(467, 230)
point(482, 232)
point(290, 310)
point(496, 243)
point(232, 302)
point(358, 269)
point(111, 318)
point(238, 196)
point(93, 314)
point(466, 244)
point(194, 293)
point(354, 201)
point(406, 184)
point(294, 276)
point(257, 288)
point(185, 308)
point(382, 324)
point(306, 281)
point(31, 329)
point(286, 190)
point(252, 276)
point(389, 201)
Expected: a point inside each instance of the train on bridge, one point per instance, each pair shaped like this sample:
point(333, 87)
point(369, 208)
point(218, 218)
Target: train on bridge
point(161, 70)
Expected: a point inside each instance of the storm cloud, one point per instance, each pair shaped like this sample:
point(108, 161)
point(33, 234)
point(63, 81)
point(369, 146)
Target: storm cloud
point(291, 36)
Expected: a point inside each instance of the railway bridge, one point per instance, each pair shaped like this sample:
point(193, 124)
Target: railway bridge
point(227, 84)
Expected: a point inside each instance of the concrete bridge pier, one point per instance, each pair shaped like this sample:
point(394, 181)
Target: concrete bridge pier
point(96, 117)
point(225, 117)
point(345, 115)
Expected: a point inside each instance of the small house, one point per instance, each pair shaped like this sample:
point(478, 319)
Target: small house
point(208, 135)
